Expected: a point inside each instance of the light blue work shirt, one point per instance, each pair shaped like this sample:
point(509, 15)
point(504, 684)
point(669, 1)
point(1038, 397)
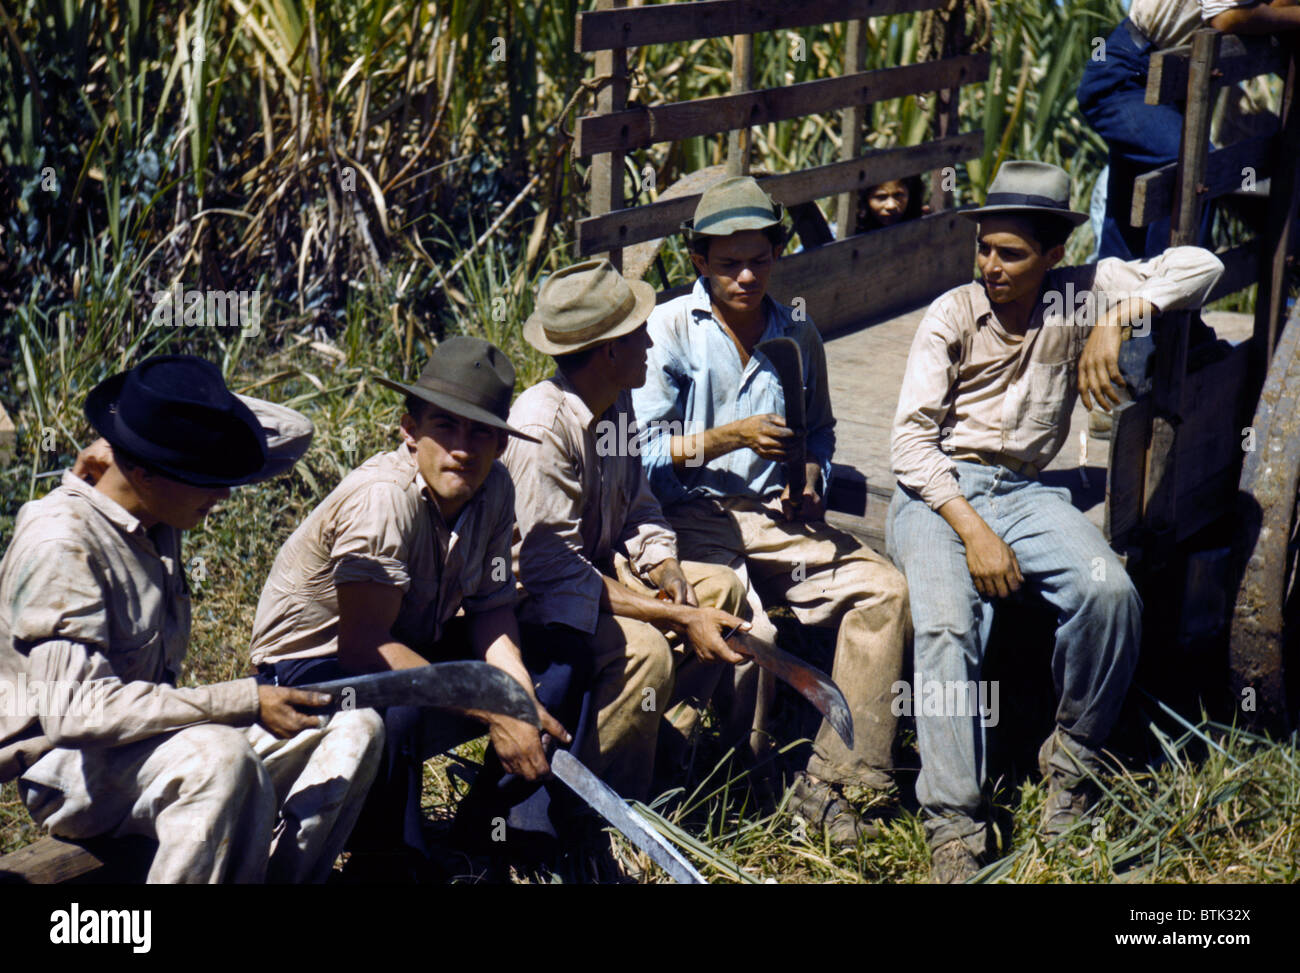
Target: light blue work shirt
point(695, 381)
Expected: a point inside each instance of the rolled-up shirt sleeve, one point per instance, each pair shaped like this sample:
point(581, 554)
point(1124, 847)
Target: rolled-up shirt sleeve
point(1179, 279)
point(370, 544)
point(60, 622)
point(562, 584)
point(923, 403)
point(647, 538)
point(657, 405)
point(288, 435)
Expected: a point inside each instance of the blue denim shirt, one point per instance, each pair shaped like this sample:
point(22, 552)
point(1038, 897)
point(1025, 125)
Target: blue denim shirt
point(695, 381)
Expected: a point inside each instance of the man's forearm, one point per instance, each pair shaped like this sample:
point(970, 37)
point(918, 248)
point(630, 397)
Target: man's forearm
point(495, 638)
point(619, 599)
point(1261, 19)
point(704, 447)
point(962, 518)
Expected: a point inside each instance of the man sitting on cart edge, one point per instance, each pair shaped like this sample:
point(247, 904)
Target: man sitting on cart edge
point(725, 491)
point(985, 405)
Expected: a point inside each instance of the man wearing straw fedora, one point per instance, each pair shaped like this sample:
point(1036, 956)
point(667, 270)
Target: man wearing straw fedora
point(715, 455)
point(377, 574)
point(594, 552)
point(985, 405)
point(233, 781)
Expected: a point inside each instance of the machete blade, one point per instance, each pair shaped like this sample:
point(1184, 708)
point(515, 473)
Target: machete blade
point(458, 686)
point(812, 684)
point(787, 362)
point(604, 800)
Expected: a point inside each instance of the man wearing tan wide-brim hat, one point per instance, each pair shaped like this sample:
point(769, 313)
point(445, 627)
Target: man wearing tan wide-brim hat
point(736, 508)
point(593, 550)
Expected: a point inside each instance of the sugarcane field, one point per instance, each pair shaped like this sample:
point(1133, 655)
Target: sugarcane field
point(852, 442)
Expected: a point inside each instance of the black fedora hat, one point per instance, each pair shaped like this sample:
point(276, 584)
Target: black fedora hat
point(174, 414)
point(468, 377)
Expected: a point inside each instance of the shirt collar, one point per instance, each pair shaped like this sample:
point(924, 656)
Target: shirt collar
point(773, 313)
point(109, 508)
point(575, 402)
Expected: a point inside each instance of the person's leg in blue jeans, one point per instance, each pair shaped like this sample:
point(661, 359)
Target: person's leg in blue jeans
point(1063, 557)
point(1140, 137)
point(1099, 614)
point(951, 624)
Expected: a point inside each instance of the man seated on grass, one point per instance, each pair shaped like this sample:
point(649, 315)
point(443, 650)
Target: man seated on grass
point(373, 579)
point(985, 405)
point(594, 553)
point(232, 779)
point(714, 412)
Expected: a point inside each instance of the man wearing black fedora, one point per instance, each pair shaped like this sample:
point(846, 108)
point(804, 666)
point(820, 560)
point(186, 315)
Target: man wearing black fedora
point(985, 405)
point(594, 552)
point(376, 575)
point(95, 622)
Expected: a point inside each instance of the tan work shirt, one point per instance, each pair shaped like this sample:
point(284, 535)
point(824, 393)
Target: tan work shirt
point(95, 620)
point(971, 386)
point(380, 524)
point(581, 496)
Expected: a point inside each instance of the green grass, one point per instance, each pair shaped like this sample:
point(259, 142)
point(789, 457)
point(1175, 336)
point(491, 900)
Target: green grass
point(222, 173)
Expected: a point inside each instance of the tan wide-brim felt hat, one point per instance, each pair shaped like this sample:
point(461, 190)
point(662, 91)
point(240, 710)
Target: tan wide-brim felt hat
point(586, 304)
point(1028, 187)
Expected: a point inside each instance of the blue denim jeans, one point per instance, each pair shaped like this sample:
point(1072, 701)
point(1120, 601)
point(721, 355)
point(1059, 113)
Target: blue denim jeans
point(1140, 137)
point(1064, 558)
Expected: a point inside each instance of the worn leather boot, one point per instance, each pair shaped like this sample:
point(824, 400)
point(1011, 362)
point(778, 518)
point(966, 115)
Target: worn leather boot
point(1070, 792)
point(952, 863)
point(825, 807)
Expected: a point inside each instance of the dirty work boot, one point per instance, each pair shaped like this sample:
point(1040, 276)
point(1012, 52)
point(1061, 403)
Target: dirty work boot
point(1070, 792)
point(952, 863)
point(824, 806)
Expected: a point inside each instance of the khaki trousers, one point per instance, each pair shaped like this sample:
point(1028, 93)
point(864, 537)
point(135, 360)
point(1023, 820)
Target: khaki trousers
point(641, 677)
point(226, 804)
point(828, 578)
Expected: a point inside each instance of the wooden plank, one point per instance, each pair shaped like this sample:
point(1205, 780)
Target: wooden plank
point(623, 131)
point(1209, 441)
point(852, 120)
point(1240, 270)
point(1239, 58)
point(1275, 246)
point(1167, 76)
point(869, 526)
point(848, 492)
point(853, 282)
point(1153, 192)
point(1126, 481)
point(742, 79)
point(874, 275)
point(654, 220)
point(607, 167)
point(666, 23)
point(1188, 194)
point(47, 861)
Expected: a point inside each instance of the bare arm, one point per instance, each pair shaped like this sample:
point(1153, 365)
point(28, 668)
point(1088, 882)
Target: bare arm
point(1264, 18)
point(992, 563)
point(703, 628)
point(367, 613)
point(766, 435)
point(495, 638)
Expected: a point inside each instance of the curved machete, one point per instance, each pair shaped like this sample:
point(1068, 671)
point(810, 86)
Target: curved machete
point(458, 686)
point(812, 684)
point(787, 362)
